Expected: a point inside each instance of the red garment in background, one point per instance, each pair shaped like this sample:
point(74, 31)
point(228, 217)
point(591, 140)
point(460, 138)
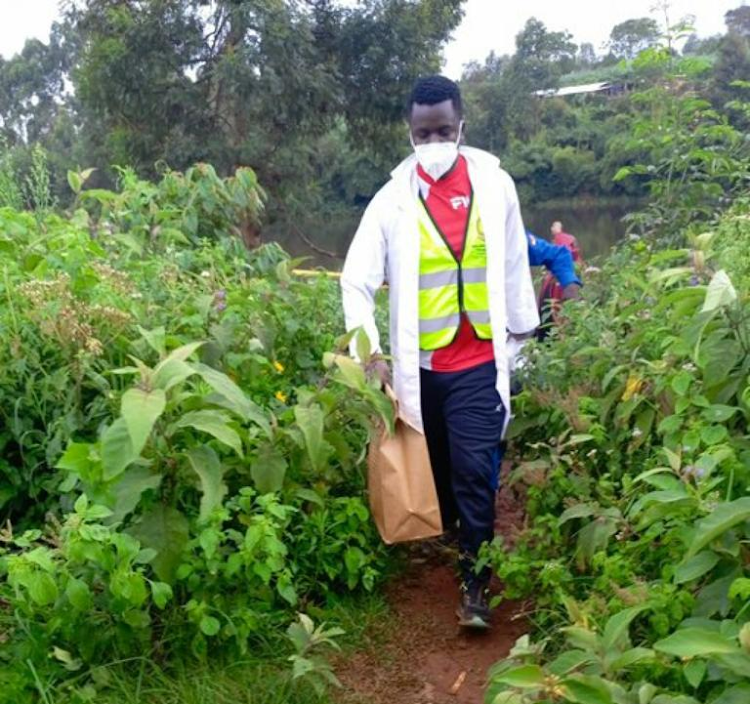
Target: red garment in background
point(551, 292)
point(448, 201)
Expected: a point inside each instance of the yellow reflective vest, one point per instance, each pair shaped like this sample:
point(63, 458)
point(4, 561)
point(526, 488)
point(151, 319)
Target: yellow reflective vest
point(450, 285)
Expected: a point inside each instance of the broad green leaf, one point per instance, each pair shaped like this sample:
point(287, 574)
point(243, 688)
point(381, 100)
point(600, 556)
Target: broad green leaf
point(76, 458)
point(156, 339)
point(674, 699)
point(582, 638)
point(310, 420)
point(724, 516)
point(161, 594)
point(364, 348)
point(165, 530)
point(351, 373)
point(577, 511)
point(696, 566)
point(616, 630)
point(675, 462)
point(180, 354)
point(570, 660)
point(583, 689)
point(594, 537)
point(79, 594)
point(646, 693)
point(631, 657)
point(172, 372)
point(129, 488)
point(224, 386)
point(718, 413)
point(42, 588)
point(740, 588)
point(42, 557)
point(681, 382)
point(720, 293)
point(141, 409)
point(208, 467)
point(739, 694)
point(268, 470)
point(694, 672)
point(214, 423)
point(695, 642)
point(310, 495)
point(117, 449)
point(643, 476)
point(509, 697)
point(737, 663)
point(714, 435)
point(522, 676)
point(75, 181)
point(233, 398)
point(209, 625)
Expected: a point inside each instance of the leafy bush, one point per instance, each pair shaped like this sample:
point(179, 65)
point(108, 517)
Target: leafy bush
point(635, 461)
point(182, 452)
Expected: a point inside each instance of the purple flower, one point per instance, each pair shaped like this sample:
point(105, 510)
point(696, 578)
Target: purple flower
point(220, 295)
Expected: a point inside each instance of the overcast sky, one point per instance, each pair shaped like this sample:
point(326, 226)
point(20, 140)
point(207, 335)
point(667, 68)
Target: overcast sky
point(487, 24)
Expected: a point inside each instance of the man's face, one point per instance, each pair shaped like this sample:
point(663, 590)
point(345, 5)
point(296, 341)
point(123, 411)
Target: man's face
point(434, 123)
point(556, 228)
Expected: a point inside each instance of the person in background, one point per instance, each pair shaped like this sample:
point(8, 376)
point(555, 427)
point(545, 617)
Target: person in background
point(446, 231)
point(559, 262)
point(553, 290)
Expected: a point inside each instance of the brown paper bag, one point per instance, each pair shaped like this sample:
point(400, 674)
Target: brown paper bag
point(403, 499)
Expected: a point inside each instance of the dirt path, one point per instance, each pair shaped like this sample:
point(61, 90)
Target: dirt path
point(427, 658)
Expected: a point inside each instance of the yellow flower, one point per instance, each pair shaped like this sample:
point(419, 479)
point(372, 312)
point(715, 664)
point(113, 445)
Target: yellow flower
point(279, 367)
point(281, 396)
point(632, 387)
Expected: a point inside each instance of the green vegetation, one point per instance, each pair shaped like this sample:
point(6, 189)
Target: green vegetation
point(182, 439)
point(310, 96)
point(634, 453)
point(181, 471)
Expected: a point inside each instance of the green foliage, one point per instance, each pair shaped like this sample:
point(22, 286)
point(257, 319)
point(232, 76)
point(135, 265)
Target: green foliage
point(180, 470)
point(696, 161)
point(627, 39)
point(10, 193)
point(633, 444)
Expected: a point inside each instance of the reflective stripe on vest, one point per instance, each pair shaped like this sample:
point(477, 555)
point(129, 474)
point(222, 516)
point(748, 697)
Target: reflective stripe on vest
point(449, 286)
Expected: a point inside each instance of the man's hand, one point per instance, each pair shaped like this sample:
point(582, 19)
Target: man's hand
point(377, 368)
point(572, 292)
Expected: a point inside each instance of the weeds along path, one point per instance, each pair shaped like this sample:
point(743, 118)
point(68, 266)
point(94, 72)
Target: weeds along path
point(422, 656)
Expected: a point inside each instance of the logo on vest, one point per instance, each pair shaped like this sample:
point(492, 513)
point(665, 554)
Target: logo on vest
point(460, 202)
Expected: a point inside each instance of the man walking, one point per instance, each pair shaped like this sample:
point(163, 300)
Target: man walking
point(446, 232)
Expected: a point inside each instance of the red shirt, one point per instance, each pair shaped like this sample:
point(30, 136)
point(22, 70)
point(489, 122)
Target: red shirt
point(448, 201)
point(563, 239)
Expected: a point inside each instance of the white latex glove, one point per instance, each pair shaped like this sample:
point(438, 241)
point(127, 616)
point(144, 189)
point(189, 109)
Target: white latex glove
point(514, 347)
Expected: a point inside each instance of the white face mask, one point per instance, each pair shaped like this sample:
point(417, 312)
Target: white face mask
point(437, 158)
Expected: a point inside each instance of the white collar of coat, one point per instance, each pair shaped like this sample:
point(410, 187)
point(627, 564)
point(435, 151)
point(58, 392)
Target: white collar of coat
point(404, 175)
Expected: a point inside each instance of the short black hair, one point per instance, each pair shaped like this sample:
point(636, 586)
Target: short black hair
point(431, 90)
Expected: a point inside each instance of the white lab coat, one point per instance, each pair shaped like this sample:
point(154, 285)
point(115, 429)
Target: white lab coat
point(386, 248)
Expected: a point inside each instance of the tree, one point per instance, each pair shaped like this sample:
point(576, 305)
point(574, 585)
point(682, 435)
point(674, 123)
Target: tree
point(738, 21)
point(695, 45)
point(629, 38)
point(250, 82)
point(732, 65)
point(587, 54)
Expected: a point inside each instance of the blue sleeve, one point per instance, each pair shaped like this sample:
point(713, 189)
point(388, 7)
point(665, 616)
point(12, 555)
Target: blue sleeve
point(557, 260)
